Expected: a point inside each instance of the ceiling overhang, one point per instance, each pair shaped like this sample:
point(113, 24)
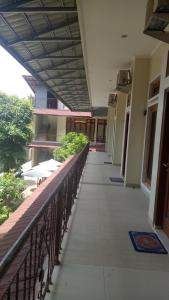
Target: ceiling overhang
point(46, 41)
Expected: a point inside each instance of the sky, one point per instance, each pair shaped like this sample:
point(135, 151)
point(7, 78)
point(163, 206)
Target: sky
point(11, 80)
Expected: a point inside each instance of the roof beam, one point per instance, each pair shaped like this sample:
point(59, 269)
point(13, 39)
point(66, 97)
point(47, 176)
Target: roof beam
point(66, 78)
point(76, 96)
point(47, 31)
point(74, 91)
point(54, 51)
point(47, 39)
point(55, 68)
point(67, 84)
point(57, 57)
point(34, 10)
point(66, 62)
point(15, 5)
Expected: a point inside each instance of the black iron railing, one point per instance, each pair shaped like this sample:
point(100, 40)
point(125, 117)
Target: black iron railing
point(26, 269)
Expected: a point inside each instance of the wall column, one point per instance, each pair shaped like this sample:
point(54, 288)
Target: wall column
point(134, 155)
point(61, 128)
point(109, 137)
point(119, 128)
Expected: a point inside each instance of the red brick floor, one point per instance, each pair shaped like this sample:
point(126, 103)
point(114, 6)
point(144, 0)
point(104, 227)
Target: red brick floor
point(97, 148)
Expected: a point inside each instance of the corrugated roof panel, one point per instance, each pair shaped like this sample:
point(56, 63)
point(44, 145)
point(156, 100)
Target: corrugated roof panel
point(21, 33)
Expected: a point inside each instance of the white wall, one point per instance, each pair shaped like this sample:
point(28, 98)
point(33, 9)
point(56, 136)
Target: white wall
point(61, 105)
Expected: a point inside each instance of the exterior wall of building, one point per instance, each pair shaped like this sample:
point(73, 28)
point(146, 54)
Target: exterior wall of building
point(41, 97)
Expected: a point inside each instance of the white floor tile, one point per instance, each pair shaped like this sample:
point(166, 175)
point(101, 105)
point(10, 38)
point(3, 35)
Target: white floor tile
point(127, 284)
point(99, 253)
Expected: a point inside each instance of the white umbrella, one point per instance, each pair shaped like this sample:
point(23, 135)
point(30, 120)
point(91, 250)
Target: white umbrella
point(46, 167)
point(37, 173)
point(26, 166)
point(51, 162)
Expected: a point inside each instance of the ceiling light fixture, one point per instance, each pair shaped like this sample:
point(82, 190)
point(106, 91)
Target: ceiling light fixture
point(124, 36)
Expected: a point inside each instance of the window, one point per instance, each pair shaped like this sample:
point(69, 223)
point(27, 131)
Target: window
point(154, 88)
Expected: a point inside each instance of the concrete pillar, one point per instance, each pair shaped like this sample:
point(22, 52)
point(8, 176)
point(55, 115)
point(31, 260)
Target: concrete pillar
point(61, 128)
point(41, 97)
point(95, 131)
point(34, 157)
point(110, 124)
point(119, 128)
point(139, 91)
point(35, 126)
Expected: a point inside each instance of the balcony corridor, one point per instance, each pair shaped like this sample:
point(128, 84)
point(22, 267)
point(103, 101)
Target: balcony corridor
point(100, 262)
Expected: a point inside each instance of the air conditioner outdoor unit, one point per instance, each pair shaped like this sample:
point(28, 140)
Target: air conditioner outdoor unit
point(157, 19)
point(123, 81)
point(112, 100)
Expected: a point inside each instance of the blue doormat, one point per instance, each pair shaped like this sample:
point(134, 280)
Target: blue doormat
point(147, 242)
point(116, 179)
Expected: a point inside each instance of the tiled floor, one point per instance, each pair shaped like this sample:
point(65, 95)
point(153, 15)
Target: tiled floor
point(100, 262)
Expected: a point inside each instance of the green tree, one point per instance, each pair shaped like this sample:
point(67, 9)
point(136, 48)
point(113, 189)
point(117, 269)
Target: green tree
point(10, 194)
point(15, 130)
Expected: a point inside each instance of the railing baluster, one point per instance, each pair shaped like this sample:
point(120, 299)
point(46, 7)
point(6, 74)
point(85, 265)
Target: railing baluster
point(17, 287)
point(42, 241)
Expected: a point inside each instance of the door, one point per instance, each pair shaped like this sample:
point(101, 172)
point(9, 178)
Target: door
point(125, 144)
point(150, 139)
point(101, 131)
point(162, 209)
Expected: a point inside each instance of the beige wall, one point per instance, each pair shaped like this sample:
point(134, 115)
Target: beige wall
point(156, 61)
point(137, 121)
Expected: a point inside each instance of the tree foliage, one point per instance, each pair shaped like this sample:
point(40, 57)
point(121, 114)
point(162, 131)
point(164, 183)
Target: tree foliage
point(10, 194)
point(72, 143)
point(15, 130)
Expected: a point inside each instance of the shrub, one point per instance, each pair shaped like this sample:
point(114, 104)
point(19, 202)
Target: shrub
point(10, 194)
point(60, 154)
point(72, 143)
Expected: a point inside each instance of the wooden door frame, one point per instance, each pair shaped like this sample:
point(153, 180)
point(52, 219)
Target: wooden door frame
point(150, 110)
point(126, 131)
point(159, 200)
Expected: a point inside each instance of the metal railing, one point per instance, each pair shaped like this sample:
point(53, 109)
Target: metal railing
point(26, 270)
